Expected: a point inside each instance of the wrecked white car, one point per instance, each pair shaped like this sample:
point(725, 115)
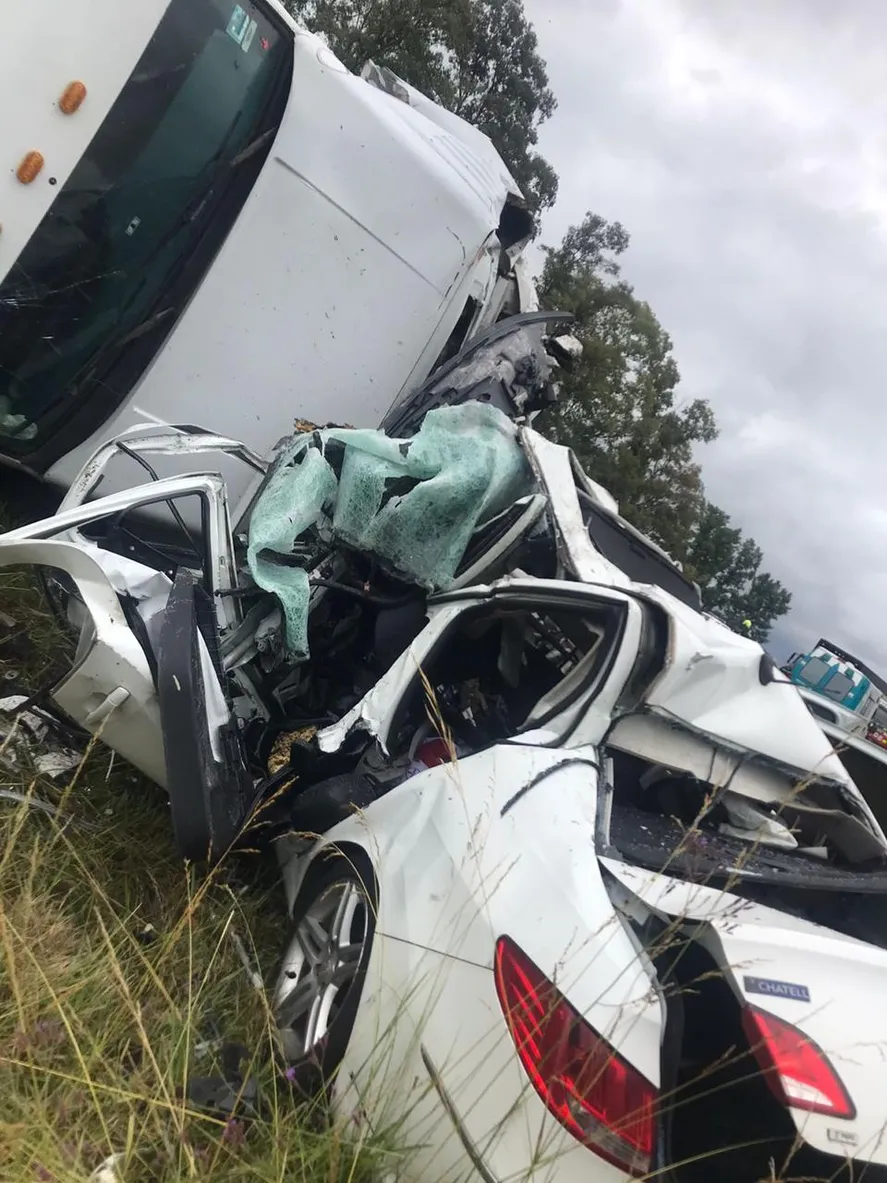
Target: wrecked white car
point(579, 889)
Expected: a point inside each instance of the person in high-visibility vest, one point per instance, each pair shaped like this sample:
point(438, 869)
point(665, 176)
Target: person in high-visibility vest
point(746, 627)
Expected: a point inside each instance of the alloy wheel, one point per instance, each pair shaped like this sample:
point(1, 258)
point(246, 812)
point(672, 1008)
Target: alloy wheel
point(319, 967)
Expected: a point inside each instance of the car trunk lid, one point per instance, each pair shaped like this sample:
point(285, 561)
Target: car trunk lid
point(824, 984)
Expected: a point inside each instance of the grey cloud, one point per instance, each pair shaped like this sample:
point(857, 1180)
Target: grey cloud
point(748, 177)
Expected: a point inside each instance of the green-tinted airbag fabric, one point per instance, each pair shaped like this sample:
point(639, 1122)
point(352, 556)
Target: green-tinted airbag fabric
point(411, 504)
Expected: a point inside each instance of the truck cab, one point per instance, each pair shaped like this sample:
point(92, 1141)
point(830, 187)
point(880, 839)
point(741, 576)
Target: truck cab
point(208, 220)
point(837, 680)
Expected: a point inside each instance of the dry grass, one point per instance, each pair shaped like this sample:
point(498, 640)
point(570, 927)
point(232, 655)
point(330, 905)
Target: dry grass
point(101, 1030)
point(103, 1026)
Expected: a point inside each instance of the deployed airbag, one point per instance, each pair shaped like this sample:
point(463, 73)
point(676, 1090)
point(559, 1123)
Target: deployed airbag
point(412, 505)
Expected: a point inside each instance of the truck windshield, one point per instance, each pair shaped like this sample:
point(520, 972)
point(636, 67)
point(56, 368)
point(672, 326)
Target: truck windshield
point(135, 228)
point(838, 687)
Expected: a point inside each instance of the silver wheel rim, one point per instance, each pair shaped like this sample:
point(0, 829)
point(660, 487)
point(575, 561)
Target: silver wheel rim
point(319, 966)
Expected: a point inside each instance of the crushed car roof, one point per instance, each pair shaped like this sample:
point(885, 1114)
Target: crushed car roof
point(723, 684)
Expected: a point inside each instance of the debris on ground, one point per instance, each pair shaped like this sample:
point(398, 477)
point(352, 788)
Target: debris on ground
point(106, 1172)
point(27, 737)
point(229, 1093)
point(15, 644)
point(31, 801)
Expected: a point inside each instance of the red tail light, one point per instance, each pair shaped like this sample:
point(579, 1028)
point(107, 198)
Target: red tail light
point(603, 1102)
point(797, 1070)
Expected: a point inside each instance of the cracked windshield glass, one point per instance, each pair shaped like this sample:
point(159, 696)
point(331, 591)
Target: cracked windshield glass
point(103, 269)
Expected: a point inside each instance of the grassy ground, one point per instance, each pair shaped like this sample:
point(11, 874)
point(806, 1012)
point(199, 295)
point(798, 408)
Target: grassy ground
point(121, 973)
point(104, 1025)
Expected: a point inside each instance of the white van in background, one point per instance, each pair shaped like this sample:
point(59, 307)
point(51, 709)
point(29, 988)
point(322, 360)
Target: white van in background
point(206, 219)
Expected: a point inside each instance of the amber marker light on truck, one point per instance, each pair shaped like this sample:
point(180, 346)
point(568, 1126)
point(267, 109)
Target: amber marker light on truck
point(72, 98)
point(30, 167)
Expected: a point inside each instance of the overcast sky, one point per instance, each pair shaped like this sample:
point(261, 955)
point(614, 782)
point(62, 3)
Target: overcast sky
point(743, 145)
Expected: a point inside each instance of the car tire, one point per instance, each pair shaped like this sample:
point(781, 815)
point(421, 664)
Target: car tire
point(320, 981)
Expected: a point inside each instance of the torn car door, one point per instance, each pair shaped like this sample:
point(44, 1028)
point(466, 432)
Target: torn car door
point(109, 689)
point(207, 776)
point(573, 708)
point(141, 632)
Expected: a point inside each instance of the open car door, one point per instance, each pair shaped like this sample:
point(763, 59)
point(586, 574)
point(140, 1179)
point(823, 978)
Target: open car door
point(109, 689)
point(146, 674)
point(207, 776)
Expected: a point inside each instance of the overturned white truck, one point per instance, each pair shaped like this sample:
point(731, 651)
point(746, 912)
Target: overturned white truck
point(210, 221)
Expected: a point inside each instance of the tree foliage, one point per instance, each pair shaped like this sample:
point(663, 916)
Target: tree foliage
point(620, 413)
point(728, 569)
point(618, 409)
point(497, 81)
point(479, 58)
